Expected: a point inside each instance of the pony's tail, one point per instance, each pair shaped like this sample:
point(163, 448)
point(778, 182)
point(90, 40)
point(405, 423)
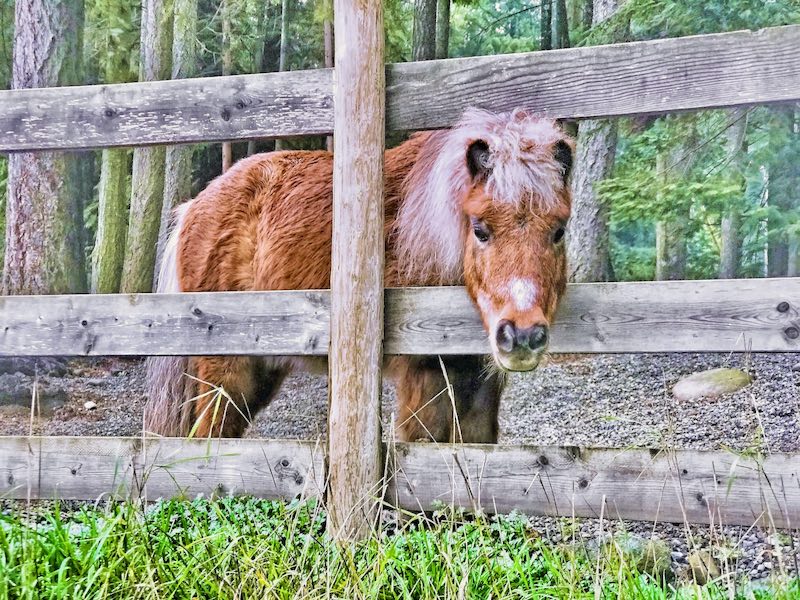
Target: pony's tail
point(167, 411)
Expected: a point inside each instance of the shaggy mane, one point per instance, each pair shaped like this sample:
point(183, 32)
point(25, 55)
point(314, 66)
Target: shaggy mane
point(428, 233)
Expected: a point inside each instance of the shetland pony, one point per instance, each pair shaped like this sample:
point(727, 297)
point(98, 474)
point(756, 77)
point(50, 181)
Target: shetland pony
point(483, 204)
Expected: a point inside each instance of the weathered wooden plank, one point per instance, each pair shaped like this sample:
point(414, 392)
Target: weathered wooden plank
point(727, 69)
point(649, 485)
point(168, 324)
point(759, 315)
point(635, 484)
point(178, 111)
point(718, 70)
point(85, 468)
point(357, 257)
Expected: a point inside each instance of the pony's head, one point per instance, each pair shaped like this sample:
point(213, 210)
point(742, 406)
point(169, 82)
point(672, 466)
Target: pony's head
point(497, 197)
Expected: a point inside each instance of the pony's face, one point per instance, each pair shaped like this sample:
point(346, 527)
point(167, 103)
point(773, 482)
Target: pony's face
point(514, 257)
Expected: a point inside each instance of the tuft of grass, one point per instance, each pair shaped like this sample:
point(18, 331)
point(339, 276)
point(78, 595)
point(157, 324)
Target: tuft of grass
point(249, 548)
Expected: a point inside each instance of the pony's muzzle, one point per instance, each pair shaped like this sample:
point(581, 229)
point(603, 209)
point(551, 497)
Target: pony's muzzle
point(519, 348)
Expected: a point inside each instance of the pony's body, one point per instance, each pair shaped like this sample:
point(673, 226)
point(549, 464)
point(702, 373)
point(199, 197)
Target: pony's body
point(266, 225)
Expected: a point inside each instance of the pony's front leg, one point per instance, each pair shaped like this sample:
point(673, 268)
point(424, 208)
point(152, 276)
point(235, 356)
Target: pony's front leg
point(230, 391)
point(427, 401)
point(479, 394)
point(425, 407)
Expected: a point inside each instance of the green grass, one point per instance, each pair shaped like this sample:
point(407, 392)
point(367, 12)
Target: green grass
point(247, 548)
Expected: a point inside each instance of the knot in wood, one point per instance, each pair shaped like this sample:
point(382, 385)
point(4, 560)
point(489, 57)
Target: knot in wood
point(792, 333)
point(783, 307)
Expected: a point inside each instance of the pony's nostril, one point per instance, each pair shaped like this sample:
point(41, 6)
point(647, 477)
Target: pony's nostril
point(537, 337)
point(505, 336)
point(533, 338)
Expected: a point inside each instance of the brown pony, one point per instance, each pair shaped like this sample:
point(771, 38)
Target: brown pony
point(482, 205)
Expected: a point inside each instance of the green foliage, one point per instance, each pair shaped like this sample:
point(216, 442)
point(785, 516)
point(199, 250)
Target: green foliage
point(247, 548)
point(111, 39)
point(652, 19)
point(6, 42)
point(494, 27)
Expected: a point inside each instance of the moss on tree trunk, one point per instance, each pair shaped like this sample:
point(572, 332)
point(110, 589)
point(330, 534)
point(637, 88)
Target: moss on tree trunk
point(44, 221)
point(147, 183)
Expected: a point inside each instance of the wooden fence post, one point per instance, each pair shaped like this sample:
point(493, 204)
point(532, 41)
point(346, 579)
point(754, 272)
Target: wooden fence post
point(354, 450)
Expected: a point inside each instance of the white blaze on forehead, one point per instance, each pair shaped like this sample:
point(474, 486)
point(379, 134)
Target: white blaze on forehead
point(523, 293)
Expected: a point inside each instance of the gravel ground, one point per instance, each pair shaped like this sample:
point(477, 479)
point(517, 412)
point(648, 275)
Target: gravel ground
point(602, 400)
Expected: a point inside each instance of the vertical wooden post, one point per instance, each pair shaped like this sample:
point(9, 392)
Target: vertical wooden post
point(354, 438)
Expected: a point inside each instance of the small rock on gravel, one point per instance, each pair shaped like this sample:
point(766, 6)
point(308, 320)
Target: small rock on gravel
point(710, 384)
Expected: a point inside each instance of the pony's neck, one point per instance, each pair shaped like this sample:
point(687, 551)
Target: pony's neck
point(427, 236)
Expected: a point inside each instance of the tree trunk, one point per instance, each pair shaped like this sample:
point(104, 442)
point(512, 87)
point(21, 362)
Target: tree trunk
point(671, 232)
point(424, 36)
point(178, 160)
point(670, 249)
point(108, 254)
point(258, 57)
point(588, 253)
point(782, 195)
point(793, 267)
point(327, 26)
point(227, 69)
point(112, 222)
point(147, 182)
point(283, 57)
point(731, 240)
point(587, 11)
point(587, 242)
point(546, 25)
point(44, 254)
point(442, 28)
point(560, 24)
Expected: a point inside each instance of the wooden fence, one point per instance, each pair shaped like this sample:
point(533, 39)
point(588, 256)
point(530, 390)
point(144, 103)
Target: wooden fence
point(661, 76)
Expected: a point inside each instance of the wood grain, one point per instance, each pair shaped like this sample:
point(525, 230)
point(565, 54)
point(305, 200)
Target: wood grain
point(357, 257)
point(758, 315)
point(634, 484)
point(717, 70)
point(165, 324)
point(175, 112)
point(728, 69)
point(86, 468)
point(648, 485)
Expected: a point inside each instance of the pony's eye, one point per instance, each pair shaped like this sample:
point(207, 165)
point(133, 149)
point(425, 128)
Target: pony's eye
point(481, 231)
point(558, 235)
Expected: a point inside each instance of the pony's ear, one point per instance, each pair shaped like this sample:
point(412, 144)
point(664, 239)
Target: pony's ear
point(563, 154)
point(478, 159)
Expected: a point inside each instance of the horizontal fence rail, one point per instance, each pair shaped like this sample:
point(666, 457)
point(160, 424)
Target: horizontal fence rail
point(653, 485)
point(759, 315)
point(86, 468)
point(707, 71)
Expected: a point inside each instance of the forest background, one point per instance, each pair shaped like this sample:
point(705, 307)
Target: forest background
point(694, 196)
